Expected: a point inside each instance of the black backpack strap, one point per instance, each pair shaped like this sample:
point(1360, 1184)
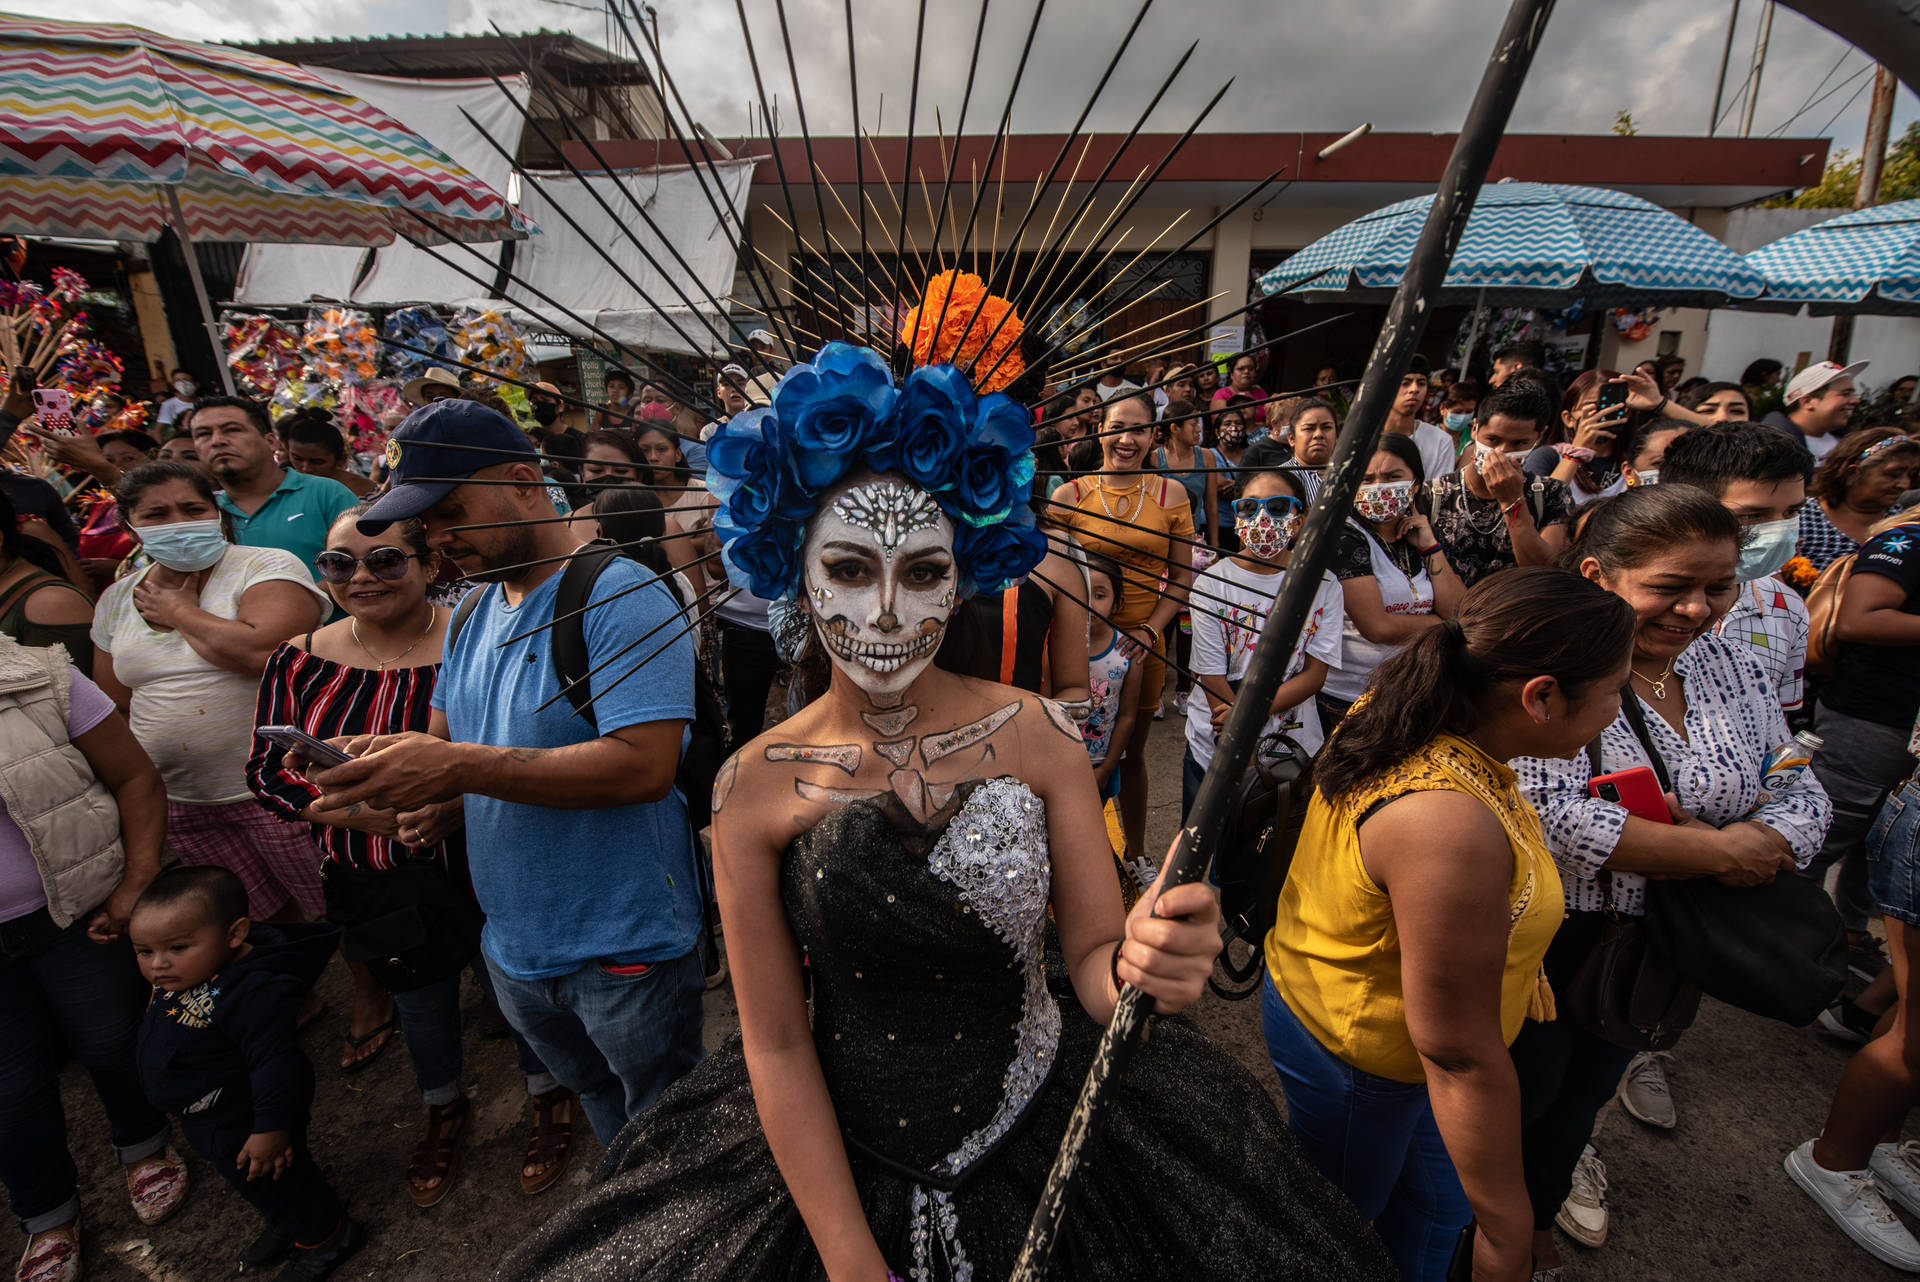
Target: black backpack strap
point(1537, 500)
point(571, 662)
point(461, 613)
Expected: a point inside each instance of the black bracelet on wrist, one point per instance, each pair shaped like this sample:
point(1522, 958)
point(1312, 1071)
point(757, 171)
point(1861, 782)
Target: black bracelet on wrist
point(1113, 968)
point(1427, 552)
point(1661, 408)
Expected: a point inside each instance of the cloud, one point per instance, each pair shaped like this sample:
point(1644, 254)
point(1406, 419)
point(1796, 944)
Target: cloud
point(1403, 64)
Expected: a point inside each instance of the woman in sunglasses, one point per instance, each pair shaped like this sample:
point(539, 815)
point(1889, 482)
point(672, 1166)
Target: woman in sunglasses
point(1230, 604)
point(373, 673)
point(1394, 574)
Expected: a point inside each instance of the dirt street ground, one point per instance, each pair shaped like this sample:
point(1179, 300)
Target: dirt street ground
point(1708, 1200)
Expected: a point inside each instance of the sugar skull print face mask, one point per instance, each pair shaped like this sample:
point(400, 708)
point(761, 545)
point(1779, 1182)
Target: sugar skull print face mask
point(1385, 501)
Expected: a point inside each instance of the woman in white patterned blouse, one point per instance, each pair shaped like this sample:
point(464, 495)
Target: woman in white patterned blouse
point(1710, 712)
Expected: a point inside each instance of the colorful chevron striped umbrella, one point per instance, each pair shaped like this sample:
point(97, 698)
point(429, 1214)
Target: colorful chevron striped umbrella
point(107, 130)
point(1530, 245)
point(1866, 262)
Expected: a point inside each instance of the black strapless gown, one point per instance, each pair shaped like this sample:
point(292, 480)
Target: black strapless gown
point(953, 1071)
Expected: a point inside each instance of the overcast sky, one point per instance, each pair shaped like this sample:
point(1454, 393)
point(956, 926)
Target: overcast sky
point(1296, 64)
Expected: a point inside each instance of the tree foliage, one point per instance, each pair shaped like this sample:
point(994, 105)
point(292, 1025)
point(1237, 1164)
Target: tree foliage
point(1900, 180)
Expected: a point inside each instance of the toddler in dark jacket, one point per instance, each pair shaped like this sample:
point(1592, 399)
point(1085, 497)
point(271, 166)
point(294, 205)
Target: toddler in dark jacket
point(218, 1047)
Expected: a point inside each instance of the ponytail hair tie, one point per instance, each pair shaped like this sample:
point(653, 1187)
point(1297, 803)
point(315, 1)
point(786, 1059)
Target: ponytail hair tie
point(1455, 634)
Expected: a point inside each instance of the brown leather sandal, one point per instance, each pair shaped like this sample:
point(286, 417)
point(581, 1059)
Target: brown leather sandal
point(551, 1141)
point(436, 1158)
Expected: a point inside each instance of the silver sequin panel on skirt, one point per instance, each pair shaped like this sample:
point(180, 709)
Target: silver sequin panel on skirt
point(995, 853)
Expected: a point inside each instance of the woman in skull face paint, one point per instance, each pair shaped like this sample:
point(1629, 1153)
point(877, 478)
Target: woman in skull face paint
point(1393, 573)
point(886, 860)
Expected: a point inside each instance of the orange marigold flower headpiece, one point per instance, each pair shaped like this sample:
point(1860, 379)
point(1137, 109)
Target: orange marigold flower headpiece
point(970, 318)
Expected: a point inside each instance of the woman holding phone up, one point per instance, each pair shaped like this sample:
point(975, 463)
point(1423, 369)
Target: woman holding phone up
point(1705, 705)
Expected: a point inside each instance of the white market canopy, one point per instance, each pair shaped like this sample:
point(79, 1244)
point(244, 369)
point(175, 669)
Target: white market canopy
point(560, 263)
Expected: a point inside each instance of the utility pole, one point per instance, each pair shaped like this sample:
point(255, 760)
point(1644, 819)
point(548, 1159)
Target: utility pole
point(1759, 65)
point(1720, 84)
point(1873, 159)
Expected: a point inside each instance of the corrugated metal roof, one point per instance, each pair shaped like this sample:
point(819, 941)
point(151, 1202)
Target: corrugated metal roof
point(562, 54)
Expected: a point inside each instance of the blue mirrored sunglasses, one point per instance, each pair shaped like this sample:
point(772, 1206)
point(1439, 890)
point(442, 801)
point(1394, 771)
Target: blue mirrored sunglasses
point(1277, 506)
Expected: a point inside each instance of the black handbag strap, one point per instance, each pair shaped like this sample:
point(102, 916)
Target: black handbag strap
point(1637, 722)
point(1630, 705)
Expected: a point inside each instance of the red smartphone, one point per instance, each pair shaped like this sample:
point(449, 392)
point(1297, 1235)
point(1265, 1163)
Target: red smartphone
point(54, 408)
point(1637, 789)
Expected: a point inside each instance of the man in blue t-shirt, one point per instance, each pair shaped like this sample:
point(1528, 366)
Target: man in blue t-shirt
point(578, 842)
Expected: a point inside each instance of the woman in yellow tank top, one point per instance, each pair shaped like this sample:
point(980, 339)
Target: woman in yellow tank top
point(1407, 950)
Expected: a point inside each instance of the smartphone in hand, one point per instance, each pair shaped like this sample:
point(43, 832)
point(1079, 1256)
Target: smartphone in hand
point(54, 408)
point(1613, 394)
point(1637, 789)
point(293, 738)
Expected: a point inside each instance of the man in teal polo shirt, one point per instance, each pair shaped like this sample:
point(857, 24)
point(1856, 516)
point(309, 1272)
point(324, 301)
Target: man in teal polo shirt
point(271, 506)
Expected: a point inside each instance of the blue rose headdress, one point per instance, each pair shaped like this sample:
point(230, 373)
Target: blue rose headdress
point(769, 467)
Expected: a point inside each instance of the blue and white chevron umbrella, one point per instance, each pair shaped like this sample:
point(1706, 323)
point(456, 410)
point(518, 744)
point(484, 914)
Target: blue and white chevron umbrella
point(1530, 245)
point(1866, 261)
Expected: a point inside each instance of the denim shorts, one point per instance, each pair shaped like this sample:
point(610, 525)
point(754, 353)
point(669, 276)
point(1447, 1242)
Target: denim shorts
point(1893, 854)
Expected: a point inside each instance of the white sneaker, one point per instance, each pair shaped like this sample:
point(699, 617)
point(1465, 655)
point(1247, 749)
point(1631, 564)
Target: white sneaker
point(1854, 1201)
point(1896, 1169)
point(1583, 1216)
point(1643, 1090)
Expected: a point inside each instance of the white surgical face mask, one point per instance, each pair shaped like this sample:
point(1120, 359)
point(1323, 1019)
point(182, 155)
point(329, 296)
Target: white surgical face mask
point(186, 387)
point(1482, 452)
point(185, 546)
point(1769, 546)
point(881, 577)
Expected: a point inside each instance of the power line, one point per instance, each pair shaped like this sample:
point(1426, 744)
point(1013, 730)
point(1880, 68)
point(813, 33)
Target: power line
point(1846, 52)
point(1734, 101)
point(1852, 79)
point(1843, 106)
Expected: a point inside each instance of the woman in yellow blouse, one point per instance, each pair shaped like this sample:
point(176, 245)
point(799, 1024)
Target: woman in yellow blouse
point(1407, 950)
point(1144, 521)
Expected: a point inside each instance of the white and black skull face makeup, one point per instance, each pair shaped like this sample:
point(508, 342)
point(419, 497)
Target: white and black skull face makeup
point(880, 575)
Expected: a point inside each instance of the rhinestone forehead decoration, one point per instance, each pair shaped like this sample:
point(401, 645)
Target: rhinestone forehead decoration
point(888, 510)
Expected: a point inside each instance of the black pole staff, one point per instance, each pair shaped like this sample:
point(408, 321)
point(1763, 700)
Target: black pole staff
point(1393, 352)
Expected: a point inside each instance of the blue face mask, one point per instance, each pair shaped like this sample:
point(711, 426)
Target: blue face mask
point(1769, 546)
point(1459, 421)
point(186, 546)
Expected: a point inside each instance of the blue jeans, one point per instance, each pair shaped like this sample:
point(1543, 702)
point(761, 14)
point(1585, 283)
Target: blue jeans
point(57, 987)
point(1375, 1139)
point(430, 1024)
point(1893, 855)
point(616, 1040)
point(1191, 776)
point(1860, 762)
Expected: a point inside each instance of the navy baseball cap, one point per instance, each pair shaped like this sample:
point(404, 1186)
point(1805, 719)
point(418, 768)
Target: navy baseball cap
point(435, 449)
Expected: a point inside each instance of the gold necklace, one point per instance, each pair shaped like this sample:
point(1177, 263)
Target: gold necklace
point(379, 664)
point(1658, 683)
point(1127, 497)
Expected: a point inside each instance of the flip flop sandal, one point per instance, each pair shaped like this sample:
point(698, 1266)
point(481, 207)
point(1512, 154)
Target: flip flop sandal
point(52, 1256)
point(550, 1143)
point(157, 1185)
point(384, 1032)
point(436, 1158)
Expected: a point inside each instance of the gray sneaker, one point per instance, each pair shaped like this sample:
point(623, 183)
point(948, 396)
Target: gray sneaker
point(1854, 1201)
point(1643, 1090)
point(1583, 1216)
